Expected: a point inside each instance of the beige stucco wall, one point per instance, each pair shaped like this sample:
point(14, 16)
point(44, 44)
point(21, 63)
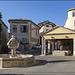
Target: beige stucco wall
point(70, 36)
point(60, 33)
point(70, 20)
point(60, 30)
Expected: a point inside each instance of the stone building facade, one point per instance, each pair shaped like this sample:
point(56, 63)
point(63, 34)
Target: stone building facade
point(3, 47)
point(25, 31)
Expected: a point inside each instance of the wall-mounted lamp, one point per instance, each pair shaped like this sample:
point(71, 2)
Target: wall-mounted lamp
point(52, 37)
point(66, 37)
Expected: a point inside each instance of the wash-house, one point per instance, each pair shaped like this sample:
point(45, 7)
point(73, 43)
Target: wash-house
point(58, 41)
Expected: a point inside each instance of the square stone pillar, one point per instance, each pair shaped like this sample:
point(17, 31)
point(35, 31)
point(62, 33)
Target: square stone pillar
point(44, 47)
point(48, 46)
point(73, 46)
point(42, 52)
point(52, 46)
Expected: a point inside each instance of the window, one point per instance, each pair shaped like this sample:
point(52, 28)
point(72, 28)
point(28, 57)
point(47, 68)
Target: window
point(14, 28)
point(16, 37)
point(46, 29)
point(36, 31)
point(23, 28)
point(73, 14)
point(24, 39)
point(47, 25)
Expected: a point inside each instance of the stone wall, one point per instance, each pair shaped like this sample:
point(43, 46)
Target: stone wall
point(16, 62)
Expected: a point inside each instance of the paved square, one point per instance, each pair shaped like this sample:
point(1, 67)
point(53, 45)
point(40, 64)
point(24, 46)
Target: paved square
point(46, 65)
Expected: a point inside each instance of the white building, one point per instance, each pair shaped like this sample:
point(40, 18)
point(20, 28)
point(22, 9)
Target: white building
point(70, 21)
point(45, 26)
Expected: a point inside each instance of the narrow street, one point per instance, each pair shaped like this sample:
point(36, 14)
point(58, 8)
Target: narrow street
point(33, 52)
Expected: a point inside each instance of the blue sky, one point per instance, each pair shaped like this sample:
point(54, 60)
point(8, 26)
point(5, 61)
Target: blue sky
point(37, 11)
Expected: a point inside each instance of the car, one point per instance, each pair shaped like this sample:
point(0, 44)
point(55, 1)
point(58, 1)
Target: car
point(38, 46)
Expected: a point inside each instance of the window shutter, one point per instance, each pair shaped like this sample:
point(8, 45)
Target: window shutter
point(20, 28)
point(26, 28)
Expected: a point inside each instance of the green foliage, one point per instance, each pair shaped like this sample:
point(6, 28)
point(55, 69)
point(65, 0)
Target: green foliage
point(0, 15)
point(0, 34)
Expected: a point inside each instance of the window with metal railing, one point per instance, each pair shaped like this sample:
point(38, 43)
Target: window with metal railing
point(14, 28)
point(23, 28)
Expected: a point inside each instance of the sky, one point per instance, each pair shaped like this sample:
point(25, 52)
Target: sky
point(37, 11)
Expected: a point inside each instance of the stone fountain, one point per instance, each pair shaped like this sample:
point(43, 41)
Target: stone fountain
point(13, 59)
point(13, 44)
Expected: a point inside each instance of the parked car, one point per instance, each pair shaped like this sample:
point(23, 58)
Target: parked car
point(38, 46)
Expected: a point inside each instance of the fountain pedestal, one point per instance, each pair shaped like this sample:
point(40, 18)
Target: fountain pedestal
point(13, 44)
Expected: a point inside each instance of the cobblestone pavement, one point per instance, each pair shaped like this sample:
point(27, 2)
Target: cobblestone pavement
point(46, 65)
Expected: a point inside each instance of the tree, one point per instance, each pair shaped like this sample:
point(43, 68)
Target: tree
point(0, 29)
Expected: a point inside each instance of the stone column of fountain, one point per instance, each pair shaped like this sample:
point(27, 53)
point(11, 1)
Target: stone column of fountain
point(13, 44)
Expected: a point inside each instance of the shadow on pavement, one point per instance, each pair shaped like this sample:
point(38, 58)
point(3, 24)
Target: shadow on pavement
point(33, 52)
point(43, 62)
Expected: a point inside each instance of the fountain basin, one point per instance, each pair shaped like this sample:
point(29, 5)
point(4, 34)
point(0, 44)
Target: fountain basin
point(19, 61)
